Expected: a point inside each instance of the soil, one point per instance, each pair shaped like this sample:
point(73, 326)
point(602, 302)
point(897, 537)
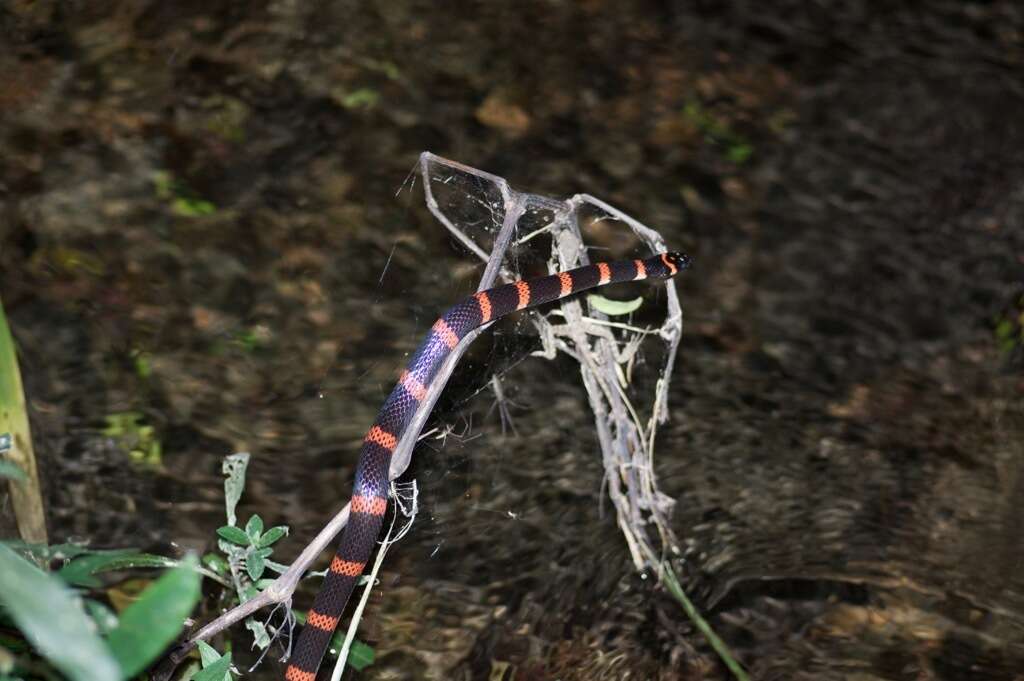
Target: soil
point(200, 227)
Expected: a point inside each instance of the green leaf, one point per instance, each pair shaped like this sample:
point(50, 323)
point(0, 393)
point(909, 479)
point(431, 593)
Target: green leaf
point(192, 208)
point(9, 470)
point(272, 535)
point(52, 619)
point(261, 639)
point(254, 528)
point(218, 671)
point(80, 571)
point(233, 534)
point(614, 308)
point(207, 653)
point(254, 565)
point(143, 363)
point(216, 563)
point(234, 467)
point(138, 560)
point(363, 98)
point(360, 656)
point(739, 152)
point(149, 624)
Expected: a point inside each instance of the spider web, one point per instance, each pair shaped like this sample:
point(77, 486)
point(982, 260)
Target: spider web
point(519, 235)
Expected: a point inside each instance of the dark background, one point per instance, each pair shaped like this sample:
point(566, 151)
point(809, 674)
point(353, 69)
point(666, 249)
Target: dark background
point(199, 203)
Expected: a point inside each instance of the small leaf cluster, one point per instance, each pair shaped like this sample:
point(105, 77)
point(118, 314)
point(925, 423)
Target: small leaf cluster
point(252, 546)
point(246, 551)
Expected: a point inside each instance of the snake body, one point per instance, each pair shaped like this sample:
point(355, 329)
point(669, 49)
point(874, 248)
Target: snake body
point(369, 499)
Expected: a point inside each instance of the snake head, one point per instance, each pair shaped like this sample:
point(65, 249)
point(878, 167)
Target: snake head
point(675, 262)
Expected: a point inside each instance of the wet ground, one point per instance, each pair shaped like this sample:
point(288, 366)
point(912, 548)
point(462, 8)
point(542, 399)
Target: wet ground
point(199, 204)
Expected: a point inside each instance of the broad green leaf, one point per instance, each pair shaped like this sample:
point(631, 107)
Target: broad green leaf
point(149, 624)
point(235, 535)
point(254, 528)
point(614, 308)
point(234, 467)
point(52, 619)
point(218, 671)
point(272, 535)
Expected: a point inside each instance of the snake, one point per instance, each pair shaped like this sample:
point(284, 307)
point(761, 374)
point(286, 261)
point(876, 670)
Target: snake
point(370, 490)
